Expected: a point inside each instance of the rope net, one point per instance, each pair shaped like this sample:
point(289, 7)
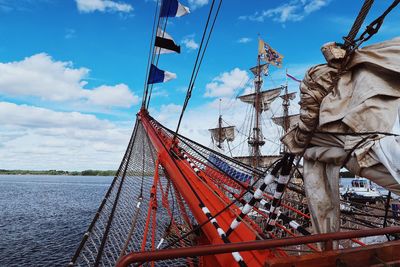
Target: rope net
point(123, 223)
point(143, 210)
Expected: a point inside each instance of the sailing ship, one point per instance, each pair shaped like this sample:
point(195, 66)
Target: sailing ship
point(261, 102)
point(175, 202)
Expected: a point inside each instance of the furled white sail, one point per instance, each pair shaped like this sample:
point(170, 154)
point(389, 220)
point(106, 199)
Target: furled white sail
point(289, 96)
point(223, 133)
point(263, 68)
point(264, 161)
point(266, 98)
point(291, 119)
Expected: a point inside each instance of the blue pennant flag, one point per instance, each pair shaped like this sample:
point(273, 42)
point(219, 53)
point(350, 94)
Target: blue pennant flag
point(172, 8)
point(159, 76)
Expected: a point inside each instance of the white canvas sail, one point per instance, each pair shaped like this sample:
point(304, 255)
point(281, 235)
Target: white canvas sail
point(289, 96)
point(223, 133)
point(266, 98)
point(292, 121)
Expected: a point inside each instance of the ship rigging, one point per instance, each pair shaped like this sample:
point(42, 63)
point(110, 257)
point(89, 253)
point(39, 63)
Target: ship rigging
point(175, 202)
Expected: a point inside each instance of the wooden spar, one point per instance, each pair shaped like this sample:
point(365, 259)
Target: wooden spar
point(265, 244)
point(185, 180)
point(256, 132)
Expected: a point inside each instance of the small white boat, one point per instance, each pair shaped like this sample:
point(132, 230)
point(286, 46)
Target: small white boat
point(360, 190)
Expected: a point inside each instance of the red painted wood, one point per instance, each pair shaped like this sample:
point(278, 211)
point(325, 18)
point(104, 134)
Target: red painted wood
point(178, 170)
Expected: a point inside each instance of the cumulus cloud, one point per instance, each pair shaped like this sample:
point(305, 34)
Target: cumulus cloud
point(42, 77)
point(37, 117)
point(295, 10)
point(118, 95)
point(190, 43)
point(168, 113)
point(227, 84)
point(197, 3)
point(88, 6)
point(39, 138)
point(197, 120)
point(244, 40)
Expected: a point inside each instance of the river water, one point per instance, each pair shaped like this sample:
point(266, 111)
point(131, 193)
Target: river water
point(43, 218)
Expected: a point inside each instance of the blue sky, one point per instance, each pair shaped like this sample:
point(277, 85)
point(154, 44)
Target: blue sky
point(72, 72)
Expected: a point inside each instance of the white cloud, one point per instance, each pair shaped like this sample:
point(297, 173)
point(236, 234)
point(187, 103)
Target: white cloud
point(70, 33)
point(36, 117)
point(118, 95)
point(190, 43)
point(196, 122)
point(159, 92)
point(88, 6)
point(244, 40)
point(197, 3)
point(167, 113)
point(41, 76)
point(227, 84)
point(295, 10)
point(39, 138)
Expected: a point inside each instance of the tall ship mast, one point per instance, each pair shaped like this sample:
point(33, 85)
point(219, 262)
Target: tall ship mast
point(260, 100)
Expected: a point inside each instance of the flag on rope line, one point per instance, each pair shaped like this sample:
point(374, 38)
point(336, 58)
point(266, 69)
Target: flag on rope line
point(172, 8)
point(159, 76)
point(165, 44)
point(293, 78)
point(268, 54)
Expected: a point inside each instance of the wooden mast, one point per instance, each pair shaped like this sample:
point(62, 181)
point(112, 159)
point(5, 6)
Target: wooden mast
point(220, 125)
point(285, 104)
point(256, 143)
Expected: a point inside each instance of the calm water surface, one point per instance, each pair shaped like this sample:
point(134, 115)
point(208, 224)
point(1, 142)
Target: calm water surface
point(43, 218)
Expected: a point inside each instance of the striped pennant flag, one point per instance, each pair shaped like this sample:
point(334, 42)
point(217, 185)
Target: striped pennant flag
point(165, 44)
point(172, 8)
point(159, 76)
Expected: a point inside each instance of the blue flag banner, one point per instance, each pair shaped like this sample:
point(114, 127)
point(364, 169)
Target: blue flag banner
point(172, 8)
point(159, 76)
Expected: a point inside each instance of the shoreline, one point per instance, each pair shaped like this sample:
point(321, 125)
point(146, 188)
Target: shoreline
point(59, 172)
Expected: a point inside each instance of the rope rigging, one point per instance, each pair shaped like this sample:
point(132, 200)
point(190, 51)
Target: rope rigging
point(165, 22)
point(351, 44)
point(156, 156)
point(154, 53)
point(151, 54)
point(200, 55)
point(373, 27)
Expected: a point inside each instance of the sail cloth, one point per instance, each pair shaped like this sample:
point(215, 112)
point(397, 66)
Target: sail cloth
point(263, 69)
point(159, 76)
point(291, 119)
point(172, 8)
point(268, 54)
point(289, 96)
point(365, 100)
point(223, 133)
point(165, 44)
point(266, 98)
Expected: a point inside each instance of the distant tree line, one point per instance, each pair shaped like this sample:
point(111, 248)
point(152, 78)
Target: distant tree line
point(59, 172)
point(343, 174)
point(346, 174)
